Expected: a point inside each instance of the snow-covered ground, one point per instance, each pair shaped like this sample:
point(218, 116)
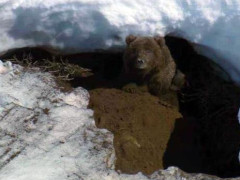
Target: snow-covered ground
point(87, 25)
point(46, 134)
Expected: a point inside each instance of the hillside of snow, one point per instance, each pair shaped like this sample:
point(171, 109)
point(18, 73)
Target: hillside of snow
point(46, 134)
point(88, 25)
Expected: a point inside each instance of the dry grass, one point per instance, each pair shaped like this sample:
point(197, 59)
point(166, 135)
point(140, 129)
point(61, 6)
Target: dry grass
point(61, 69)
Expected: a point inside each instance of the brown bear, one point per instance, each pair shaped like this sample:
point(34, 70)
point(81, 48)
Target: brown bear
point(147, 60)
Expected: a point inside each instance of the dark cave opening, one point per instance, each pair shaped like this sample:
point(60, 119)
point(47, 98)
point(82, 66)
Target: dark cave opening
point(207, 139)
point(210, 104)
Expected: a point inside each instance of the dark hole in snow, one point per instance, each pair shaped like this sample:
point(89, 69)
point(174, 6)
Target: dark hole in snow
point(207, 139)
point(209, 107)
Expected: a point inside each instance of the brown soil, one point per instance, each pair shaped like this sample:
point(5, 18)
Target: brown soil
point(141, 125)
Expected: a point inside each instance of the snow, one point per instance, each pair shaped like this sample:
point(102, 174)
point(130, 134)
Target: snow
point(89, 25)
point(46, 134)
point(5, 67)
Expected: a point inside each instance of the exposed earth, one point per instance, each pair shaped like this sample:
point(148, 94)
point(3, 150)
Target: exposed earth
point(141, 126)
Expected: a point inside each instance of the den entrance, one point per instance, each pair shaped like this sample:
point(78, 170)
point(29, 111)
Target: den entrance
point(204, 137)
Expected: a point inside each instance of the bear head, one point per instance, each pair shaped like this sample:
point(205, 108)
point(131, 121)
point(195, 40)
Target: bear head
point(145, 54)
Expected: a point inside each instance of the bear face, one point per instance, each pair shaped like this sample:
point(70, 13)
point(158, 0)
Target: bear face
point(143, 55)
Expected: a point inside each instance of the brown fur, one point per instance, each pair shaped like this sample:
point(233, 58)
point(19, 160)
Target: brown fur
point(148, 61)
point(178, 81)
point(160, 67)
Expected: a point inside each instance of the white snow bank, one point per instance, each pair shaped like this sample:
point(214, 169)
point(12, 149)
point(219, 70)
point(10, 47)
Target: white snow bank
point(5, 67)
point(49, 135)
point(87, 25)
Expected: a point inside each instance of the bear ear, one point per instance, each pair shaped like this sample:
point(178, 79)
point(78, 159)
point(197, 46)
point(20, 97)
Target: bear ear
point(160, 40)
point(130, 38)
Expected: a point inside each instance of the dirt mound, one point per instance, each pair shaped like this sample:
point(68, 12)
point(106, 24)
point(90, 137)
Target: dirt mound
point(141, 126)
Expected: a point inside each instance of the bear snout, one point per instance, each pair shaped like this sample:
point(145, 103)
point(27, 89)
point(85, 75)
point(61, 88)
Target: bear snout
point(140, 61)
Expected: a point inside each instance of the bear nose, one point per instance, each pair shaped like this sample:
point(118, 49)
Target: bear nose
point(140, 61)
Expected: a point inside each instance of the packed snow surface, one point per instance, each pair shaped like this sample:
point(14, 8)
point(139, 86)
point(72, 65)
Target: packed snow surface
point(46, 134)
point(88, 25)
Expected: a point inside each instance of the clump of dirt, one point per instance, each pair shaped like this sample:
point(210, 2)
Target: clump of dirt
point(141, 125)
